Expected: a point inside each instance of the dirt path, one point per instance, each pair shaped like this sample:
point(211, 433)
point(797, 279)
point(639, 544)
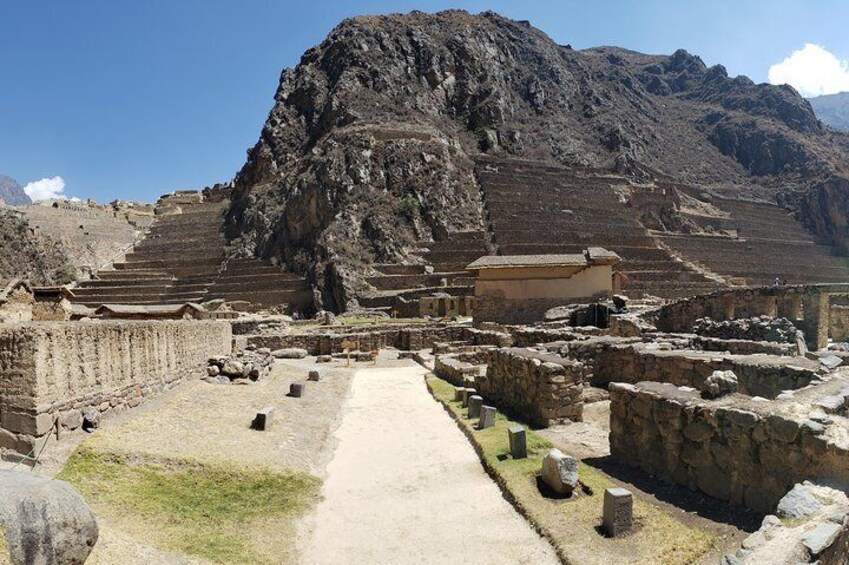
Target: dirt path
point(405, 486)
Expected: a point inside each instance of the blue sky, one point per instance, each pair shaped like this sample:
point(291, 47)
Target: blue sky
point(135, 99)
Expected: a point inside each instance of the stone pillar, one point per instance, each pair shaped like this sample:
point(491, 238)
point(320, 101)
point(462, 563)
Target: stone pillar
point(518, 442)
point(487, 419)
point(263, 418)
point(618, 511)
point(475, 403)
point(815, 323)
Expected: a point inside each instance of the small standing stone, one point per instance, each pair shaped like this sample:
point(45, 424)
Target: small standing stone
point(487, 417)
point(618, 511)
point(296, 389)
point(263, 418)
point(475, 403)
point(518, 442)
point(459, 391)
point(314, 376)
point(466, 394)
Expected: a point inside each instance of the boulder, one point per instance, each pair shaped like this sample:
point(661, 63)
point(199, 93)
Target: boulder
point(720, 383)
point(213, 371)
point(560, 472)
point(233, 368)
point(290, 353)
point(46, 521)
point(799, 502)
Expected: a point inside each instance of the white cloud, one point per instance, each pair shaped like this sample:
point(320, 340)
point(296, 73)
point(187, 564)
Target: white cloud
point(46, 188)
point(812, 70)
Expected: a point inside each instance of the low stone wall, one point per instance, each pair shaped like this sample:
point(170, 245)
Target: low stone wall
point(750, 457)
point(759, 375)
point(453, 370)
point(56, 369)
point(744, 347)
point(540, 388)
point(330, 340)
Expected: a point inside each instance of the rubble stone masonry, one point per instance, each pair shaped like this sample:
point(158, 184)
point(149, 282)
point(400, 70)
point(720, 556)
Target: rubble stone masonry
point(55, 369)
point(747, 453)
point(544, 389)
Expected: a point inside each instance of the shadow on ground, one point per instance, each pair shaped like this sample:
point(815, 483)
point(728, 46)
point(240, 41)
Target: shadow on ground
point(678, 496)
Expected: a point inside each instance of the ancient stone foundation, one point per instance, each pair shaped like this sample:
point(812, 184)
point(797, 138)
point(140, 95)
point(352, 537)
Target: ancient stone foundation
point(544, 389)
point(57, 370)
point(749, 455)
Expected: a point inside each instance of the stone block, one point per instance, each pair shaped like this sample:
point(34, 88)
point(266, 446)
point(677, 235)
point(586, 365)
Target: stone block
point(617, 516)
point(296, 390)
point(518, 442)
point(821, 537)
point(262, 420)
point(560, 472)
point(467, 392)
point(314, 376)
point(487, 417)
point(475, 404)
point(459, 391)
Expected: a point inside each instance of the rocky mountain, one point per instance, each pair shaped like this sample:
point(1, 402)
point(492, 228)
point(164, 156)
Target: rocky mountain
point(372, 140)
point(832, 109)
point(26, 253)
point(12, 193)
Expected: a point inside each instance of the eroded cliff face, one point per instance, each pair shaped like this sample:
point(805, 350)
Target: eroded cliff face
point(371, 140)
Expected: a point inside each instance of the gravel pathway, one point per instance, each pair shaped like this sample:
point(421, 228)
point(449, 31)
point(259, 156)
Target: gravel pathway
point(405, 486)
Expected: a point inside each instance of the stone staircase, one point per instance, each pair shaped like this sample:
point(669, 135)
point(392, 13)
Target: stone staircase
point(543, 209)
point(769, 243)
point(182, 259)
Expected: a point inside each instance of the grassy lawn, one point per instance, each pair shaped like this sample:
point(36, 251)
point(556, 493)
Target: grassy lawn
point(571, 525)
point(221, 513)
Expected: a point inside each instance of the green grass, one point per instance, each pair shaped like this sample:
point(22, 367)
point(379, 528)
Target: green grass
point(203, 510)
point(571, 524)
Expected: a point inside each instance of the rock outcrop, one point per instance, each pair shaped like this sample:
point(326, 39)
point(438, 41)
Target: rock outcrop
point(11, 193)
point(372, 139)
point(27, 254)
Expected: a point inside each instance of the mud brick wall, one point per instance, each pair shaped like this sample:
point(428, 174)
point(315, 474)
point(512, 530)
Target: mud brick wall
point(764, 376)
point(539, 388)
point(750, 455)
point(56, 369)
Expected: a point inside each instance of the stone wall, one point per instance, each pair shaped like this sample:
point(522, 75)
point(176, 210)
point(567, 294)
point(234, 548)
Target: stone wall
point(759, 375)
point(56, 369)
point(839, 322)
point(407, 338)
point(750, 456)
point(454, 370)
point(540, 388)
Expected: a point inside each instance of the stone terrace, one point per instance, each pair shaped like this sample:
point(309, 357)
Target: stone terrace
point(182, 259)
point(540, 209)
point(440, 266)
point(769, 243)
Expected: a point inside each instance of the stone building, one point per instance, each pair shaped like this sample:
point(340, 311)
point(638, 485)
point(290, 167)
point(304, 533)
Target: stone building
point(519, 289)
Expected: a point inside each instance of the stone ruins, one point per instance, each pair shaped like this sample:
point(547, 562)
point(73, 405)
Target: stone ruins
point(738, 393)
